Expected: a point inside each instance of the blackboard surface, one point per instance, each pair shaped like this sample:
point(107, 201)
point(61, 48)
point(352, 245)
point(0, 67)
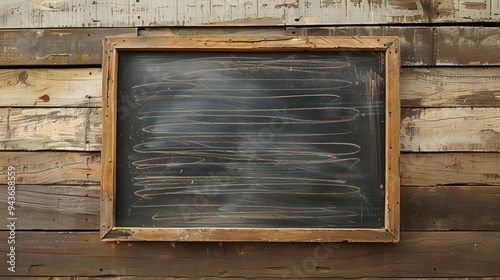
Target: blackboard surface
point(250, 140)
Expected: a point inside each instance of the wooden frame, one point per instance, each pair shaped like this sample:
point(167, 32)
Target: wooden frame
point(386, 47)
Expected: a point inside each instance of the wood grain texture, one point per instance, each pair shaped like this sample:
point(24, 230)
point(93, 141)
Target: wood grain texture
point(78, 87)
point(422, 129)
point(213, 31)
point(465, 10)
point(452, 208)
point(464, 208)
point(46, 207)
point(55, 46)
point(249, 43)
point(450, 87)
point(419, 254)
point(420, 87)
point(76, 129)
point(416, 42)
point(392, 142)
point(417, 169)
point(107, 13)
point(108, 151)
point(450, 129)
point(467, 46)
point(63, 168)
point(433, 169)
point(428, 45)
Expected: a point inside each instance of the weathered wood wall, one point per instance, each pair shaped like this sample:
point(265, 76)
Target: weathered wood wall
point(109, 13)
point(50, 127)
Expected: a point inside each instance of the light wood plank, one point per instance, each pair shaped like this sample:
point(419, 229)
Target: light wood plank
point(450, 129)
point(249, 43)
point(81, 87)
point(63, 168)
point(55, 207)
point(419, 254)
point(450, 208)
point(55, 46)
point(392, 142)
point(122, 13)
point(76, 129)
point(422, 130)
point(465, 10)
point(70, 13)
point(429, 169)
point(450, 87)
point(359, 12)
point(450, 169)
point(51, 87)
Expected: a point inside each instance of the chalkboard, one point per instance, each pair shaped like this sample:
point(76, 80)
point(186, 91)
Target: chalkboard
point(223, 139)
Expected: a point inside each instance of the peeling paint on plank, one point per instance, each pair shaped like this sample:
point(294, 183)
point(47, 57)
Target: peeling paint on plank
point(450, 130)
point(50, 129)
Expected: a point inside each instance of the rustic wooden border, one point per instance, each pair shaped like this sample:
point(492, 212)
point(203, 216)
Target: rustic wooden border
point(388, 45)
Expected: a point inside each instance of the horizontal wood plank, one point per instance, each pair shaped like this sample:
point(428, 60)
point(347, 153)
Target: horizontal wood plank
point(76, 129)
point(65, 207)
point(433, 169)
point(450, 87)
point(420, 87)
point(427, 45)
point(107, 13)
point(467, 46)
point(465, 10)
point(450, 129)
point(63, 168)
point(422, 130)
point(55, 46)
point(74, 87)
point(418, 254)
point(417, 169)
point(416, 42)
point(46, 207)
point(452, 208)
point(213, 31)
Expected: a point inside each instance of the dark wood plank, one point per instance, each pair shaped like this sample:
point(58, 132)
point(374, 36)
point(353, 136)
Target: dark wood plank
point(452, 208)
point(450, 87)
point(68, 87)
point(62, 168)
point(55, 46)
point(450, 129)
point(450, 169)
point(77, 129)
point(418, 254)
point(410, 37)
point(428, 45)
point(62, 207)
point(81, 87)
point(467, 46)
point(213, 31)
point(49, 207)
